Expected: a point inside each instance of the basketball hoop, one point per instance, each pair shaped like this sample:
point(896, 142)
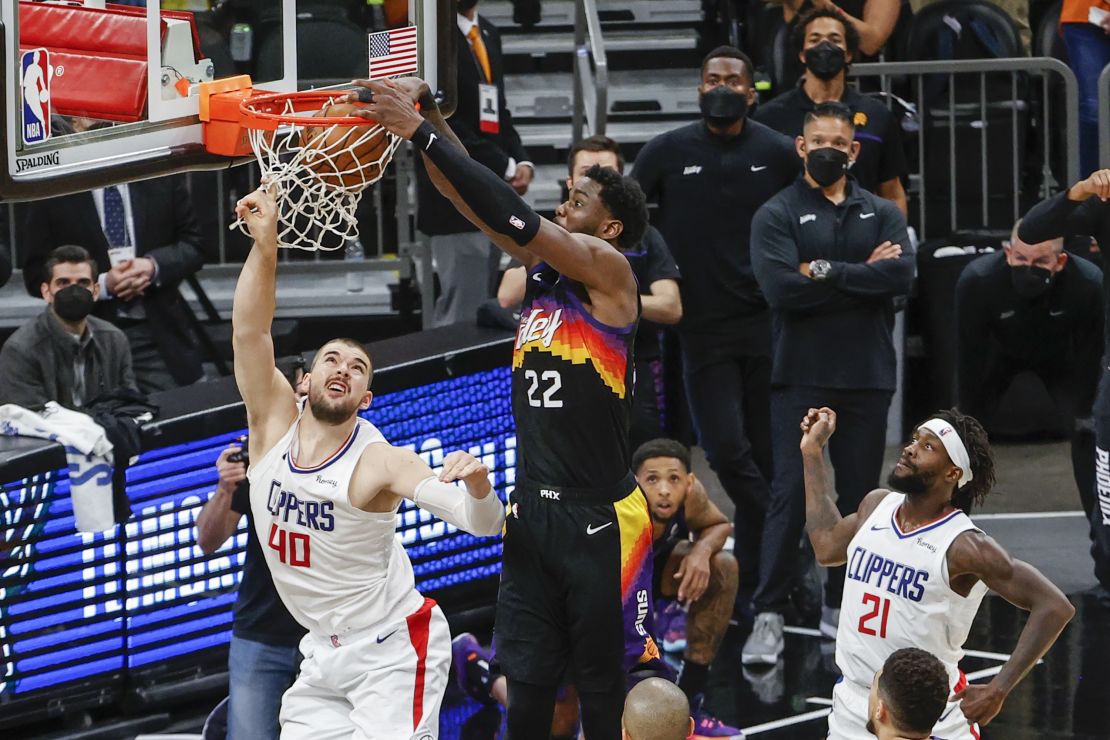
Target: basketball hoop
point(318, 165)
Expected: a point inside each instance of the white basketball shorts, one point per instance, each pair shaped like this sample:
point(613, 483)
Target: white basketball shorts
point(384, 683)
point(848, 720)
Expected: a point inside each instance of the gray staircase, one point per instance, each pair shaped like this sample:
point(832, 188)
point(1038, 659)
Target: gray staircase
point(651, 46)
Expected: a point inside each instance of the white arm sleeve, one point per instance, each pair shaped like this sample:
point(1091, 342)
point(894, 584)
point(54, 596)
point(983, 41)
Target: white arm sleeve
point(483, 518)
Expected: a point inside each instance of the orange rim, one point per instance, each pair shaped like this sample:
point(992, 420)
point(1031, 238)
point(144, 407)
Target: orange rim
point(267, 112)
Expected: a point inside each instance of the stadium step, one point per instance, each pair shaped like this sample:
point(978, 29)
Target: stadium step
point(657, 92)
point(557, 134)
point(561, 13)
point(562, 42)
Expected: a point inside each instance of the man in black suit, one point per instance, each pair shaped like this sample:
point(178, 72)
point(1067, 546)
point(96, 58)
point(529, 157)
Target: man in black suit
point(145, 240)
point(465, 259)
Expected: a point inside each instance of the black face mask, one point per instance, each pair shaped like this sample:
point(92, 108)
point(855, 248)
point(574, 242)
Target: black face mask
point(721, 107)
point(826, 165)
point(826, 60)
point(466, 5)
point(73, 302)
point(1031, 282)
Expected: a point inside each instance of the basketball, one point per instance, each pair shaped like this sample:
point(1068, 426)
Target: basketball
point(344, 156)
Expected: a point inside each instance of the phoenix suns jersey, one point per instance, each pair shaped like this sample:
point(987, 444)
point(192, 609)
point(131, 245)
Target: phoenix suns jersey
point(572, 387)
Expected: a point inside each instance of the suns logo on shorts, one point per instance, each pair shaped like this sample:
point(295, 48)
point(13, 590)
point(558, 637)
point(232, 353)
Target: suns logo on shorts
point(859, 119)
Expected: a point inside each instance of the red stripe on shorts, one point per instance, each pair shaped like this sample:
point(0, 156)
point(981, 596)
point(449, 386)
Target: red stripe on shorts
point(419, 622)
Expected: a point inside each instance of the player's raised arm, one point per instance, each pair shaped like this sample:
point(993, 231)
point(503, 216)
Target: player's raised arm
point(829, 532)
point(491, 204)
point(271, 405)
point(401, 472)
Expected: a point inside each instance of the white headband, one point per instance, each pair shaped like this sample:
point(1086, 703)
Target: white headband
point(950, 438)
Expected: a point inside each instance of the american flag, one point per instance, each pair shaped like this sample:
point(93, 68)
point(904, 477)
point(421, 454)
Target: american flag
point(393, 52)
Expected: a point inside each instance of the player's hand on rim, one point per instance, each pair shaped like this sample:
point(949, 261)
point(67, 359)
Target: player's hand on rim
point(472, 472)
point(817, 426)
point(393, 105)
point(258, 210)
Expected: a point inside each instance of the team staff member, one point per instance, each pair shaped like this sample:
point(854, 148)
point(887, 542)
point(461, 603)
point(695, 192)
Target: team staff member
point(657, 276)
point(709, 178)
point(829, 256)
point(1032, 308)
point(1083, 209)
point(262, 662)
point(826, 43)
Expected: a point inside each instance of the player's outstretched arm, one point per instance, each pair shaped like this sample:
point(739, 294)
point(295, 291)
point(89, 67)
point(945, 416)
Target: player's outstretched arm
point(829, 532)
point(271, 405)
point(400, 472)
point(976, 554)
point(491, 204)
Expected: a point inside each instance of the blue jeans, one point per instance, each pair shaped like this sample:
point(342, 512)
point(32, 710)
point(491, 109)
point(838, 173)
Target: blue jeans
point(1088, 52)
point(259, 675)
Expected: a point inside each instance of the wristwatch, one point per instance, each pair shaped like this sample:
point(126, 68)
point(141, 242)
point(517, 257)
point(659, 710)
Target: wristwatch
point(819, 269)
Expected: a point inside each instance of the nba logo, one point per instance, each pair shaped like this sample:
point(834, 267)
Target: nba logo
point(35, 80)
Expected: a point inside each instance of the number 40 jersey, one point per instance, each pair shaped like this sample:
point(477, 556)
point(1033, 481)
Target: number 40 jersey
point(572, 387)
point(897, 594)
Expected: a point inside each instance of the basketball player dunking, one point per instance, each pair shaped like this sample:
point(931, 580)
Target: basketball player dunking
point(325, 488)
point(918, 569)
point(575, 596)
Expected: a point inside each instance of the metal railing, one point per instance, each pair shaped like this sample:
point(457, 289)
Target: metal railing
point(591, 84)
point(1103, 119)
point(936, 109)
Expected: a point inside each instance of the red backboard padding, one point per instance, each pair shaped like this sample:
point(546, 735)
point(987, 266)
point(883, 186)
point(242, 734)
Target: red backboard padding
point(102, 54)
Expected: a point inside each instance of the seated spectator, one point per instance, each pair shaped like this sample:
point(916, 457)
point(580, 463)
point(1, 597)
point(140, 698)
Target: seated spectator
point(263, 658)
point(65, 355)
point(1033, 309)
point(657, 275)
point(688, 564)
point(656, 710)
point(827, 44)
point(144, 240)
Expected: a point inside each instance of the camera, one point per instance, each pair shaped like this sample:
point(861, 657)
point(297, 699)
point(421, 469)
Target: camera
point(241, 455)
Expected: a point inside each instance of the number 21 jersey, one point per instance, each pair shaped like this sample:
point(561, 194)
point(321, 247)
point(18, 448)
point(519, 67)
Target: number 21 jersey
point(572, 387)
point(897, 594)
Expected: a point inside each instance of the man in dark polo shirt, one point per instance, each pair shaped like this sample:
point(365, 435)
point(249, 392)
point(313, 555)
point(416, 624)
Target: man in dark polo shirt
point(830, 257)
point(263, 659)
point(827, 44)
point(708, 179)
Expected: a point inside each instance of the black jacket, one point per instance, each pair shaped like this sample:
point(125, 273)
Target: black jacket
point(165, 229)
point(834, 333)
point(37, 362)
point(1058, 333)
point(437, 216)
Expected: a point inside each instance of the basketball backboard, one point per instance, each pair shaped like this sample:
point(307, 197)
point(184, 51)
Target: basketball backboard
point(99, 93)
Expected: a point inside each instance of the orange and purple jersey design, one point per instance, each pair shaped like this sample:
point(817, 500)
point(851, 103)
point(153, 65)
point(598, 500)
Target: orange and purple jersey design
point(573, 378)
point(634, 522)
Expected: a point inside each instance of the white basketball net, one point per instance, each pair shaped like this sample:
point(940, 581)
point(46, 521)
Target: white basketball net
point(317, 178)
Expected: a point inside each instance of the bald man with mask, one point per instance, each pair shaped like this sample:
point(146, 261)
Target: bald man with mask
point(1033, 308)
point(656, 709)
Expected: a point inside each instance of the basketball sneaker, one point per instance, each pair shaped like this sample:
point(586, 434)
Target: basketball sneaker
point(765, 644)
point(830, 621)
point(708, 726)
point(471, 663)
point(674, 634)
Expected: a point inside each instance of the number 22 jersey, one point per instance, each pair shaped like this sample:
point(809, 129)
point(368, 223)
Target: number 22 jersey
point(572, 387)
point(897, 594)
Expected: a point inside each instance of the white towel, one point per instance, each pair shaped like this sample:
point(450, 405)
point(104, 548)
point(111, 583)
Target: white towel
point(88, 453)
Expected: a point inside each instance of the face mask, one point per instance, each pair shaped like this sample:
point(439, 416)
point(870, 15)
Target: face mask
point(73, 302)
point(722, 107)
point(1030, 282)
point(826, 60)
point(826, 165)
point(466, 5)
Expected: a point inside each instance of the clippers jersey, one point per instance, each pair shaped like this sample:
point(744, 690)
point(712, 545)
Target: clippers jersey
point(336, 568)
point(572, 387)
point(896, 594)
